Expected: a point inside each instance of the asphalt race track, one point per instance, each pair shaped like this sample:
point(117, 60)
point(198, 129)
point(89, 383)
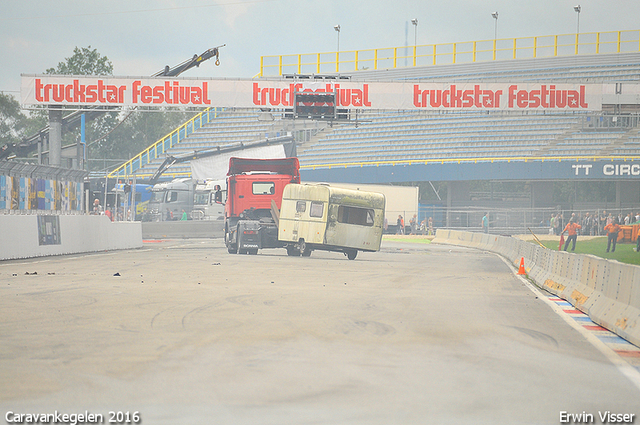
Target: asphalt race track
point(182, 332)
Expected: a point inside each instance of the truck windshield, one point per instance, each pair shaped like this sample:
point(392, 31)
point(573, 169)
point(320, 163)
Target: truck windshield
point(157, 196)
point(263, 188)
point(201, 198)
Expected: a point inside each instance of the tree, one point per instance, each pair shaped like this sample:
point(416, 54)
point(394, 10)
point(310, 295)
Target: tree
point(83, 62)
point(140, 129)
point(110, 139)
point(12, 120)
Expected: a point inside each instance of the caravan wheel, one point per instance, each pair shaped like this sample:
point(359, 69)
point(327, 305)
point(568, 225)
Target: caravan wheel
point(292, 251)
point(305, 250)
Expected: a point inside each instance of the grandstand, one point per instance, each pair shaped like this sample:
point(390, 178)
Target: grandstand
point(389, 146)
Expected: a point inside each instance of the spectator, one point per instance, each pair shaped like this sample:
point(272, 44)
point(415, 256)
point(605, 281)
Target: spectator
point(558, 224)
point(431, 231)
point(400, 225)
point(602, 222)
point(572, 229)
point(586, 224)
point(217, 197)
point(97, 208)
point(612, 230)
point(485, 223)
point(413, 223)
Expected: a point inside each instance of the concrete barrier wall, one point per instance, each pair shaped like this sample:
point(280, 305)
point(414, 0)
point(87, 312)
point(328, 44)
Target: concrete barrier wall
point(606, 290)
point(21, 236)
point(183, 229)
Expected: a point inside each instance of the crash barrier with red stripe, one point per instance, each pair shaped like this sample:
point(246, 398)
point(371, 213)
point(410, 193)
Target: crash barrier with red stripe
point(606, 290)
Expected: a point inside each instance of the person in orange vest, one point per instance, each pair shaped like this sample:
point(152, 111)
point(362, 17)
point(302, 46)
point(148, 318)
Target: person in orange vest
point(612, 230)
point(572, 229)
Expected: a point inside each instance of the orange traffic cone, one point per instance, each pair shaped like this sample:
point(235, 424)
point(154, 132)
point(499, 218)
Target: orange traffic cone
point(521, 270)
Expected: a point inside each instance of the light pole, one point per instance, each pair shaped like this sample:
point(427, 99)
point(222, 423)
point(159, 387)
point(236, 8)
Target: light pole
point(495, 31)
point(414, 21)
point(578, 9)
point(337, 28)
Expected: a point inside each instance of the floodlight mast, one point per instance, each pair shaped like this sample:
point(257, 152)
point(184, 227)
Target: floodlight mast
point(495, 32)
point(414, 21)
point(578, 9)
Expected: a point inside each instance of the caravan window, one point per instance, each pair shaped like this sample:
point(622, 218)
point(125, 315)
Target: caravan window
point(355, 215)
point(301, 206)
point(317, 209)
point(264, 188)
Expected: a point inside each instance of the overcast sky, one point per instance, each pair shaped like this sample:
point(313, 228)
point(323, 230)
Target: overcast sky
point(140, 37)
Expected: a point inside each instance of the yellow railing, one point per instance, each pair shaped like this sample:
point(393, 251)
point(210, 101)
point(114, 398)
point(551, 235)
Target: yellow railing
point(160, 147)
point(440, 54)
point(625, 158)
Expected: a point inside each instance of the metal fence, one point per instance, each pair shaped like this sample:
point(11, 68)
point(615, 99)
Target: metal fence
point(35, 189)
point(509, 221)
point(452, 53)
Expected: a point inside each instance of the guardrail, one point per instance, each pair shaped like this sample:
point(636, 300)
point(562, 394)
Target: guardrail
point(452, 53)
point(605, 290)
point(160, 147)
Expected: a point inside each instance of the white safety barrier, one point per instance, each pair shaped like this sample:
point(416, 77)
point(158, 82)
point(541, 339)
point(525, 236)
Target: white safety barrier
point(27, 236)
point(607, 291)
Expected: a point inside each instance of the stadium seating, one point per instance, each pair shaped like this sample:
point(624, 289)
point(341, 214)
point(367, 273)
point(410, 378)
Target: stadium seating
point(228, 127)
point(421, 135)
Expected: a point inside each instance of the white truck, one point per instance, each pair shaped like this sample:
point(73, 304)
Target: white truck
point(201, 200)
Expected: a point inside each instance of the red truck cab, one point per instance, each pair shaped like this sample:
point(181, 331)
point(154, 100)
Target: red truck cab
point(251, 186)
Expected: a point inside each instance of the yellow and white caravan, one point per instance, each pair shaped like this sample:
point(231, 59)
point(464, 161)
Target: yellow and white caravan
point(322, 217)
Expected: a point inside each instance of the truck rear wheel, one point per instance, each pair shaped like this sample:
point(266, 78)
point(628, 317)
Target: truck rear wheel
point(292, 251)
point(231, 248)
